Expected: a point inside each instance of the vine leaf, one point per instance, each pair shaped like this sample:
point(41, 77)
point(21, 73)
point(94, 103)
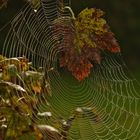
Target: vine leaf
point(82, 40)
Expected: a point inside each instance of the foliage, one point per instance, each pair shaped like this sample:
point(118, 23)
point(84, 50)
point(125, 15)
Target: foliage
point(84, 40)
point(20, 87)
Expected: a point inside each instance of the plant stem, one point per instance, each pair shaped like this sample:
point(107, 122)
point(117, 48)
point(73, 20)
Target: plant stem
point(72, 13)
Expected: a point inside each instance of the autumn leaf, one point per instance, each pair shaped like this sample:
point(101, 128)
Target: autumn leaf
point(36, 87)
point(82, 41)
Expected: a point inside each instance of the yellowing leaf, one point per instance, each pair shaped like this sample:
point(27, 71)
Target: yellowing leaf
point(36, 87)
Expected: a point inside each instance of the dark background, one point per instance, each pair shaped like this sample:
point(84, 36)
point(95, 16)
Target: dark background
point(122, 16)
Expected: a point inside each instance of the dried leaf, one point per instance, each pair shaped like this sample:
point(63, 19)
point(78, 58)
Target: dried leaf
point(83, 41)
point(36, 87)
point(12, 86)
point(51, 132)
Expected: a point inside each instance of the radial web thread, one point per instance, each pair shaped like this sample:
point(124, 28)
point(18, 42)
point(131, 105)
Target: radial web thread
point(110, 92)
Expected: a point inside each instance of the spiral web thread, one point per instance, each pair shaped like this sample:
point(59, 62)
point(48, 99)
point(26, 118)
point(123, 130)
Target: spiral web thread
point(109, 91)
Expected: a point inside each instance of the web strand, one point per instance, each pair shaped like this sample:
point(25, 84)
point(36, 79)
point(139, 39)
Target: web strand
point(105, 105)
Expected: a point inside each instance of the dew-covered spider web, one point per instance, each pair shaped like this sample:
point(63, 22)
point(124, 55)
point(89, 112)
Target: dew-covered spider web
point(104, 106)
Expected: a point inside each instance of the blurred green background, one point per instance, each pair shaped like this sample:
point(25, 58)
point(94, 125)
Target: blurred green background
point(122, 16)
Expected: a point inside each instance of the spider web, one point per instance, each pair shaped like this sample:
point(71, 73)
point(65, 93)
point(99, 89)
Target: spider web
point(106, 104)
